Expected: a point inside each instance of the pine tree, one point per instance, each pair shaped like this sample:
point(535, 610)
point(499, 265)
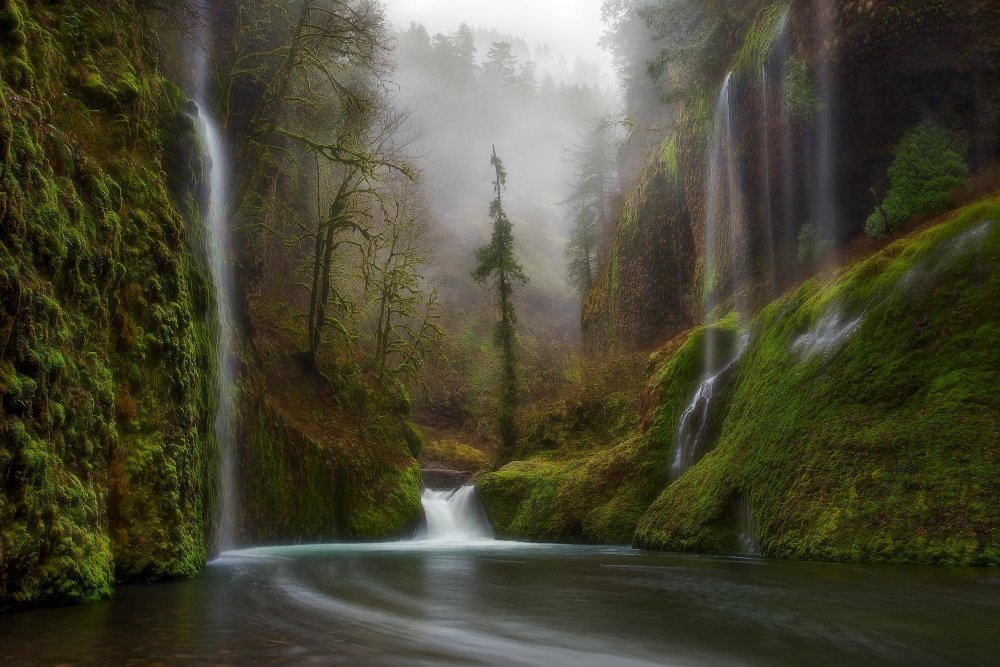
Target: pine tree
point(590, 201)
point(497, 267)
point(501, 64)
point(464, 42)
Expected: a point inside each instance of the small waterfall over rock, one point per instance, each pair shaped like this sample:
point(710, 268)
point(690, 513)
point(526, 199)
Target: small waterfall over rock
point(696, 420)
point(829, 333)
point(747, 528)
point(455, 516)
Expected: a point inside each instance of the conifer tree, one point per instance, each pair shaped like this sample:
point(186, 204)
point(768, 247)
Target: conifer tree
point(497, 267)
point(590, 201)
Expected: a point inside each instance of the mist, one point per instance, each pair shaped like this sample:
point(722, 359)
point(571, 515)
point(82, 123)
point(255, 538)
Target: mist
point(558, 89)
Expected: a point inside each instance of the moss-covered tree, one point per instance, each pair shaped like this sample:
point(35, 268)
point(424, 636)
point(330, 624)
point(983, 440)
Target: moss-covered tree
point(497, 267)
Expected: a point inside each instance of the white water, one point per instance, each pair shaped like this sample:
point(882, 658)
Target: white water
point(695, 420)
point(831, 331)
point(455, 516)
point(219, 252)
point(725, 219)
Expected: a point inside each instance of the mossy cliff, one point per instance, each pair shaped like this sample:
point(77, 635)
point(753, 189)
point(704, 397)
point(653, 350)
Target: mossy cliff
point(323, 455)
point(819, 95)
point(876, 440)
point(859, 424)
point(106, 455)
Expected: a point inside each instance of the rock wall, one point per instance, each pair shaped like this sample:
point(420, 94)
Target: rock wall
point(106, 385)
point(821, 93)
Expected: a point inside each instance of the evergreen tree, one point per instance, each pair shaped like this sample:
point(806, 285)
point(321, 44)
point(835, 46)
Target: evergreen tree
point(497, 267)
point(464, 45)
point(590, 201)
point(501, 64)
point(527, 80)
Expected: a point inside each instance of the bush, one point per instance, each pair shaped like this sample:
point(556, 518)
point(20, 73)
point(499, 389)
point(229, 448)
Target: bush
point(929, 162)
point(812, 246)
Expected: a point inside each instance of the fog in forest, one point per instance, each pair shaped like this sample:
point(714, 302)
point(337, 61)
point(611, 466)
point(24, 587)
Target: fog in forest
point(474, 77)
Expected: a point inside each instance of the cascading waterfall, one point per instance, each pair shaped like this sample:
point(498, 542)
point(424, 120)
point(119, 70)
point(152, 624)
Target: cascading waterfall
point(455, 516)
point(219, 251)
point(695, 421)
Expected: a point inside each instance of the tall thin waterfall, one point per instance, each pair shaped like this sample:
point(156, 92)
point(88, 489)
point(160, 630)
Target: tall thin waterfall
point(220, 256)
point(824, 206)
point(219, 250)
point(725, 216)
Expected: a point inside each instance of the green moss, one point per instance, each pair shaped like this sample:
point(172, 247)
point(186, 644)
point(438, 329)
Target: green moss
point(881, 449)
point(105, 365)
point(801, 98)
point(759, 40)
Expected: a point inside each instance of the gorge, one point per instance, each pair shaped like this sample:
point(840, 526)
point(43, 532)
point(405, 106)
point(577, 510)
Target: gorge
point(389, 332)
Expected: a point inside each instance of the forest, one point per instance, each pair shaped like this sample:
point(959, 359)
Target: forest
point(596, 332)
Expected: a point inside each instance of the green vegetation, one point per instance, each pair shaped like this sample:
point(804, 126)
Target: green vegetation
point(758, 43)
point(929, 162)
point(452, 455)
point(583, 475)
point(801, 99)
point(106, 375)
point(590, 202)
point(497, 266)
point(812, 246)
point(882, 449)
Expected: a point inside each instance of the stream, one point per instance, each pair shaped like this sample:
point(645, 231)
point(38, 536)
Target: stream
point(456, 597)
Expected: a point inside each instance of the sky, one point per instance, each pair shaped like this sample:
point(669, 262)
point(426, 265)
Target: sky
point(571, 27)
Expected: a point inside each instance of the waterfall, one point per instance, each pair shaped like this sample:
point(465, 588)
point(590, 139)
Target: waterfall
point(695, 420)
point(747, 528)
point(455, 516)
point(824, 207)
point(725, 218)
point(220, 258)
point(219, 251)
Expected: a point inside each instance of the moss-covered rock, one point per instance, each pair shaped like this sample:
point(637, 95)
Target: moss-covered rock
point(861, 424)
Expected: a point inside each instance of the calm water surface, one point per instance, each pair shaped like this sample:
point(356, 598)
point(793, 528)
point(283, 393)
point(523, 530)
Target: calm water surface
point(496, 603)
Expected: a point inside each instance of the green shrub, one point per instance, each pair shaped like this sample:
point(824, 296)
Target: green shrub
point(801, 99)
point(929, 162)
point(812, 246)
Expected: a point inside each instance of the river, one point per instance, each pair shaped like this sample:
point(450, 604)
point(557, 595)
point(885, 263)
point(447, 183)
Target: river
point(475, 601)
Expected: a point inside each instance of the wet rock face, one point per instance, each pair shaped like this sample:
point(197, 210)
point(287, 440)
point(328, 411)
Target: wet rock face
point(870, 70)
point(648, 284)
point(896, 64)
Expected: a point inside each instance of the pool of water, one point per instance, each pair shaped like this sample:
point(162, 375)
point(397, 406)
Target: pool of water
point(501, 603)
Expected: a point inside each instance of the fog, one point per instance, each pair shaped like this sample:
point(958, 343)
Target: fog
point(572, 27)
point(534, 106)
